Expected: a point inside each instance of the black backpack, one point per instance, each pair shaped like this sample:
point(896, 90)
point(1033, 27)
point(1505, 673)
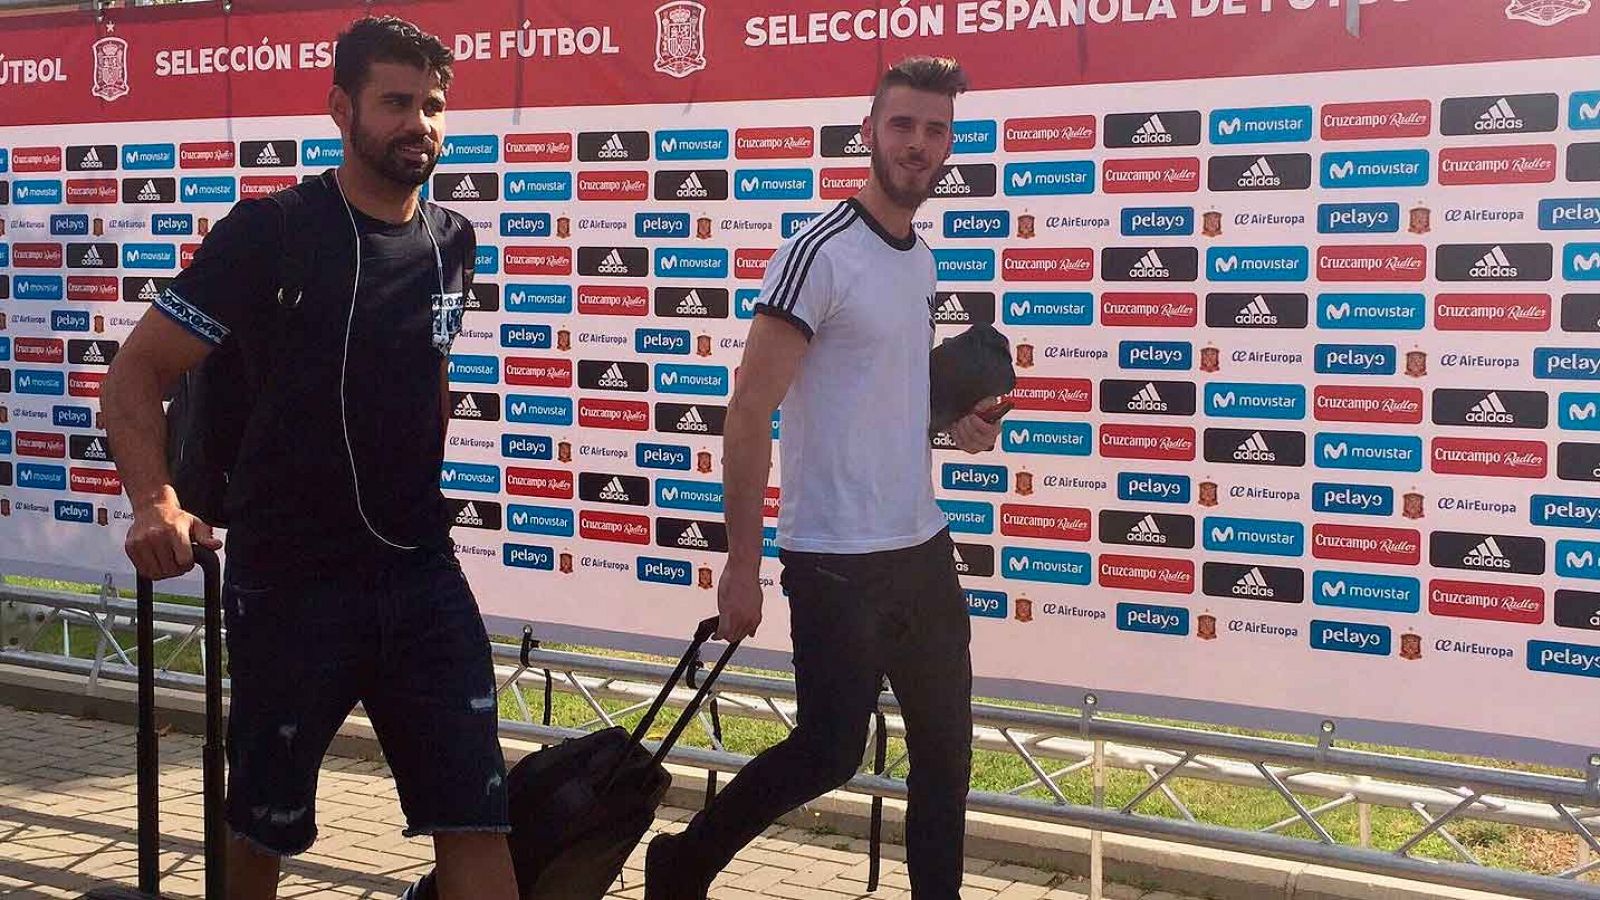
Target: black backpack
point(210, 406)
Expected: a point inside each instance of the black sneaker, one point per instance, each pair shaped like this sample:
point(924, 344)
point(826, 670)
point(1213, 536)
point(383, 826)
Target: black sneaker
point(665, 877)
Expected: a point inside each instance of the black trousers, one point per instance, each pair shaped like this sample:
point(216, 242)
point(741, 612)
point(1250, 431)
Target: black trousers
point(855, 619)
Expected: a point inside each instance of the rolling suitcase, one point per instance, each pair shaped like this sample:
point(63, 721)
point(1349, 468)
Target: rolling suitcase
point(149, 876)
point(579, 808)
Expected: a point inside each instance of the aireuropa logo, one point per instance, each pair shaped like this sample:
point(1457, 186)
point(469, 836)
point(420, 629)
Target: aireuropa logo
point(1036, 179)
point(1156, 355)
point(1276, 584)
point(1252, 310)
point(528, 224)
point(1579, 411)
point(1172, 128)
point(1052, 566)
point(199, 189)
point(1239, 400)
point(1158, 221)
point(470, 149)
point(1372, 312)
point(1375, 169)
point(1052, 438)
point(1353, 499)
point(692, 144)
point(1578, 559)
point(149, 156)
point(963, 477)
point(1376, 593)
point(774, 184)
point(1232, 264)
point(321, 152)
point(536, 186)
point(1358, 218)
point(1556, 511)
point(1570, 363)
point(1151, 619)
point(1265, 537)
point(1146, 487)
point(1351, 637)
point(1150, 264)
point(36, 192)
point(1048, 308)
point(691, 262)
point(1261, 125)
point(1263, 172)
point(1370, 452)
point(1499, 114)
point(698, 496)
point(977, 223)
point(529, 409)
point(149, 256)
point(1494, 409)
point(455, 476)
point(548, 299)
point(1581, 262)
point(700, 380)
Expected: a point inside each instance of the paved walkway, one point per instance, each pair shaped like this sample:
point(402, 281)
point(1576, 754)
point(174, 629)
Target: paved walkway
point(67, 822)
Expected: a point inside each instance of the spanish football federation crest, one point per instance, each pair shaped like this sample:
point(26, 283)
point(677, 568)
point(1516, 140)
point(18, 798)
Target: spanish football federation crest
point(680, 38)
point(110, 68)
point(1546, 12)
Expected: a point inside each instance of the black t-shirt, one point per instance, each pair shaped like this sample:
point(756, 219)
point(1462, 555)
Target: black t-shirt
point(339, 464)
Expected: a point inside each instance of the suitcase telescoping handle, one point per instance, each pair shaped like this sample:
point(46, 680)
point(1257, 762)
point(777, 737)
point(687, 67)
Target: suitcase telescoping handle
point(702, 634)
point(148, 759)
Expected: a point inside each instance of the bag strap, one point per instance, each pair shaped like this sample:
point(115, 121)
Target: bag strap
point(702, 634)
point(297, 254)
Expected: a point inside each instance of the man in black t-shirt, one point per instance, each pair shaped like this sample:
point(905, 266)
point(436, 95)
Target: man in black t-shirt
point(342, 584)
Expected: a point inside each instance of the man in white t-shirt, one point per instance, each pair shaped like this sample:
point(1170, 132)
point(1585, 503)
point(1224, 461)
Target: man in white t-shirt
point(841, 339)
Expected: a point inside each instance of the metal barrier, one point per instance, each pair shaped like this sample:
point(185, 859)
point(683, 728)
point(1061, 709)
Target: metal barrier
point(1050, 744)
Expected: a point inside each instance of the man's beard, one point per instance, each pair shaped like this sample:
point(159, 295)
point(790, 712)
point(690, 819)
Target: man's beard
point(906, 197)
point(385, 159)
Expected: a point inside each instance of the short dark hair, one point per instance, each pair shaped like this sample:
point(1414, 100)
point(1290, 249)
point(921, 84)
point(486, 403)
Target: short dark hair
point(935, 74)
point(388, 39)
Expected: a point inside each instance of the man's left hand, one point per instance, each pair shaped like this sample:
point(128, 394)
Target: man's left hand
point(974, 435)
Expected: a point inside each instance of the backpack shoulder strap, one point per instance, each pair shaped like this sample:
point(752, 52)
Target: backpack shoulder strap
point(298, 239)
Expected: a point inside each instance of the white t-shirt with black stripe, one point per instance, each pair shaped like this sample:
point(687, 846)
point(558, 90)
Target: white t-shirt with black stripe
point(854, 458)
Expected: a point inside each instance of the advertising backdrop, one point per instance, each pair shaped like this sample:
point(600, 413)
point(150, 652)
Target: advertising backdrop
point(1307, 322)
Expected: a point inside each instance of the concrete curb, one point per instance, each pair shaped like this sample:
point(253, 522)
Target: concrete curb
point(1156, 865)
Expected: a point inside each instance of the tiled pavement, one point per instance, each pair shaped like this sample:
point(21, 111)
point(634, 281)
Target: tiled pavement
point(67, 823)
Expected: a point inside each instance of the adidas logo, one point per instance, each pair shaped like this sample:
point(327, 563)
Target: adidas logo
point(1149, 266)
point(465, 190)
point(91, 160)
point(1152, 132)
point(1256, 312)
point(614, 491)
point(1255, 449)
point(1148, 400)
point(692, 188)
point(693, 537)
point(1491, 410)
point(856, 146)
point(951, 310)
point(1146, 532)
point(150, 292)
point(691, 421)
point(468, 408)
point(1260, 175)
point(952, 184)
point(613, 377)
point(1499, 117)
point(612, 264)
point(1253, 584)
point(613, 148)
point(91, 257)
point(1487, 555)
point(268, 156)
point(96, 450)
point(1494, 264)
point(691, 305)
point(148, 193)
point(93, 354)
point(469, 515)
